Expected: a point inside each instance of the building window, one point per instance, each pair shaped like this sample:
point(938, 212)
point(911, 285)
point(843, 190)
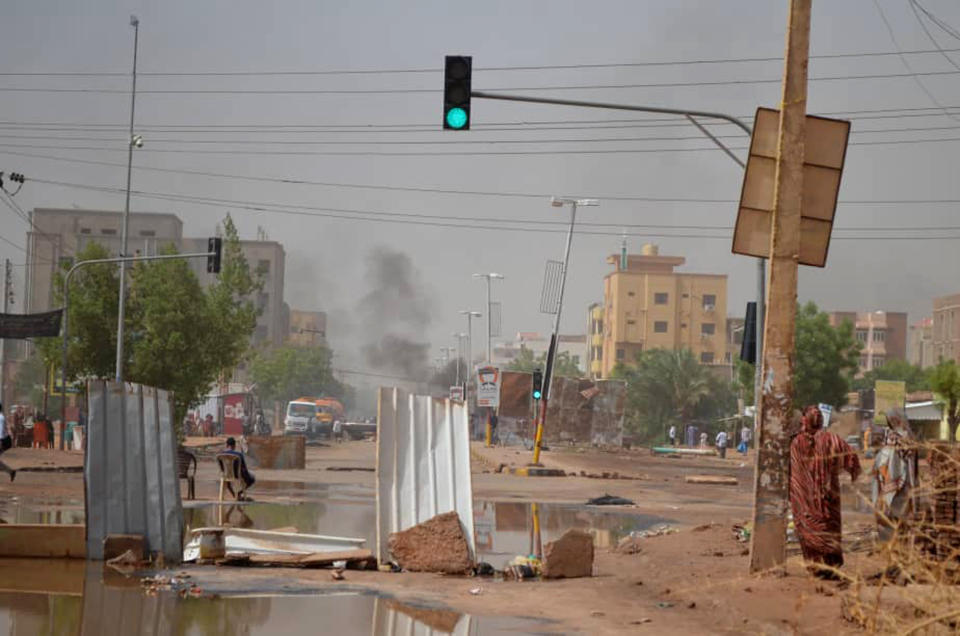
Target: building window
point(621, 354)
point(660, 298)
point(862, 335)
point(708, 329)
point(706, 357)
point(631, 322)
point(263, 266)
point(631, 294)
point(863, 362)
point(879, 335)
point(576, 360)
point(709, 302)
point(148, 233)
point(263, 299)
point(660, 326)
point(726, 357)
point(878, 362)
point(84, 230)
point(108, 231)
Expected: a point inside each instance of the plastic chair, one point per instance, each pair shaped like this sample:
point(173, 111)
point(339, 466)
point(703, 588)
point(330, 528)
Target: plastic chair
point(187, 469)
point(230, 476)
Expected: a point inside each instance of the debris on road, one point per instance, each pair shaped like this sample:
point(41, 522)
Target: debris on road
point(337, 574)
point(351, 468)
point(724, 480)
point(742, 531)
point(609, 500)
point(236, 541)
point(436, 545)
point(523, 568)
point(355, 559)
point(570, 556)
point(116, 545)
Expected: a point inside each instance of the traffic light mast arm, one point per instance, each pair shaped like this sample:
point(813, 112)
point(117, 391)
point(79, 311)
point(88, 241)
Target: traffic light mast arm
point(66, 304)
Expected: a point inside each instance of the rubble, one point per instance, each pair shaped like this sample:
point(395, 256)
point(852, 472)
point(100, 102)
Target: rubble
point(436, 545)
point(609, 500)
point(570, 556)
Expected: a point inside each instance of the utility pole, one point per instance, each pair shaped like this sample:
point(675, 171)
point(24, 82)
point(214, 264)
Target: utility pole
point(131, 142)
point(459, 336)
point(491, 276)
point(771, 489)
point(7, 299)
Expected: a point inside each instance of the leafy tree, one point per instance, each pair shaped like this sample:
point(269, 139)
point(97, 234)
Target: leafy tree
point(288, 372)
point(826, 358)
point(915, 377)
point(945, 382)
point(563, 365)
point(672, 387)
point(447, 376)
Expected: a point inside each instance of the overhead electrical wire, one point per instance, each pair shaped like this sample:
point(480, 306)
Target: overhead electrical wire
point(443, 191)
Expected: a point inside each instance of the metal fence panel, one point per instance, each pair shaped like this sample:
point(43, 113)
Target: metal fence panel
point(423, 464)
point(131, 469)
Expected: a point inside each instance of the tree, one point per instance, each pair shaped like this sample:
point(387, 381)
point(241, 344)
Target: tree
point(826, 358)
point(563, 365)
point(913, 375)
point(288, 372)
point(672, 387)
point(447, 376)
point(945, 382)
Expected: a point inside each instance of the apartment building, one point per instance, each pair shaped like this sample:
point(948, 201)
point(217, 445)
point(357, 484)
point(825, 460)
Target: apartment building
point(920, 349)
point(649, 305)
point(882, 334)
point(307, 328)
point(946, 327)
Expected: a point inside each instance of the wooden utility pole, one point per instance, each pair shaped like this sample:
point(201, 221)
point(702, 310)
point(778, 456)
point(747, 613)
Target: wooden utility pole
point(771, 490)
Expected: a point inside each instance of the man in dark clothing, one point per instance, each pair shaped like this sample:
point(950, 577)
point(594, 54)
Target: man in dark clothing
point(245, 475)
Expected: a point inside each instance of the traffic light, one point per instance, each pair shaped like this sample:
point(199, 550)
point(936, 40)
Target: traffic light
point(215, 247)
point(537, 384)
point(456, 92)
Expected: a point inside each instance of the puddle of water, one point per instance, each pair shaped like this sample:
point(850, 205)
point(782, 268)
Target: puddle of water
point(40, 510)
point(87, 602)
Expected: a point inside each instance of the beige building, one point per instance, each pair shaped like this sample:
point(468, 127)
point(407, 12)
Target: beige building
point(946, 327)
point(920, 349)
point(573, 345)
point(648, 305)
point(58, 234)
point(882, 334)
point(595, 341)
point(307, 328)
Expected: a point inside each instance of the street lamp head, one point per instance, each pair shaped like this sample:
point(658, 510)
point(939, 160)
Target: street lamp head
point(137, 141)
point(556, 202)
point(467, 312)
point(588, 202)
point(134, 21)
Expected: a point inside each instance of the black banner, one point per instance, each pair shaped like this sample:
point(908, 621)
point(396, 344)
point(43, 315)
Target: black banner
point(23, 326)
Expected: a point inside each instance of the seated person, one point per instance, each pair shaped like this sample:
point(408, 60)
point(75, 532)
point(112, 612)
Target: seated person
point(245, 475)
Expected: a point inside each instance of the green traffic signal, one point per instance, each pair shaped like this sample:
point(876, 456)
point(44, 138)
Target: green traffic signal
point(456, 118)
point(536, 395)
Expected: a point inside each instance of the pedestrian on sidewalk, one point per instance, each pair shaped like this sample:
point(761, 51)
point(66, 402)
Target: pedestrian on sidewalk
point(894, 475)
point(5, 443)
point(672, 434)
point(703, 440)
point(722, 444)
point(816, 459)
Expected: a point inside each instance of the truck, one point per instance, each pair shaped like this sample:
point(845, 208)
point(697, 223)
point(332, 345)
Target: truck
point(312, 416)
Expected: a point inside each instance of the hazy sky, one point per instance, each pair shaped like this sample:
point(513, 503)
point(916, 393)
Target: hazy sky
point(326, 255)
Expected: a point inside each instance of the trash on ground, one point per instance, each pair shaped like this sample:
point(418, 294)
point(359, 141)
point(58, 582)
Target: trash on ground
point(570, 556)
point(706, 526)
point(742, 531)
point(724, 480)
point(356, 559)
point(337, 574)
point(476, 591)
point(609, 500)
point(484, 569)
point(523, 568)
point(126, 562)
point(436, 545)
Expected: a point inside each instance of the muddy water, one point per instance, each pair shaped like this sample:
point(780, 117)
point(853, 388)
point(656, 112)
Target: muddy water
point(75, 598)
point(40, 510)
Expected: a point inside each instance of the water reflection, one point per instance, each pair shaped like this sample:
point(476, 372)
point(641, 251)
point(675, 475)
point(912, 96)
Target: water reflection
point(80, 598)
point(44, 510)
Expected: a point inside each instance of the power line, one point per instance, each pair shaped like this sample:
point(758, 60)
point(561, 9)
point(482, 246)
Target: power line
point(409, 91)
point(260, 206)
point(481, 69)
point(527, 195)
point(917, 8)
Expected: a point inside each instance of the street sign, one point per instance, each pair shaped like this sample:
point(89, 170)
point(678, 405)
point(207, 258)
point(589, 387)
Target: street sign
point(887, 394)
point(826, 410)
point(456, 393)
point(488, 385)
point(825, 152)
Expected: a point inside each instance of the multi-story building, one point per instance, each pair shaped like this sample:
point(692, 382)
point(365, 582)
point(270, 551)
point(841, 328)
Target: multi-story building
point(648, 305)
point(307, 328)
point(920, 349)
point(734, 337)
point(882, 334)
point(58, 234)
point(268, 259)
point(946, 327)
point(595, 340)
point(573, 345)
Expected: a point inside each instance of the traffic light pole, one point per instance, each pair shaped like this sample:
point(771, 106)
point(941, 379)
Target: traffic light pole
point(66, 314)
point(691, 116)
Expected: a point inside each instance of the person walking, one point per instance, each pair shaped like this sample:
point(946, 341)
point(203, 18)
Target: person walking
point(722, 444)
point(672, 434)
point(5, 443)
point(816, 459)
point(894, 475)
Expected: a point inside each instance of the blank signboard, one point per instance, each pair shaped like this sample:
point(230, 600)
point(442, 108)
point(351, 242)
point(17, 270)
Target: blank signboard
point(826, 147)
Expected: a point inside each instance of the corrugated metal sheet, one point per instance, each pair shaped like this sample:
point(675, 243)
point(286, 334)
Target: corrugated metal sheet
point(131, 468)
point(423, 464)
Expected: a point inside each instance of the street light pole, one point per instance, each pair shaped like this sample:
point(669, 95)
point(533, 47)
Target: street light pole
point(459, 336)
point(470, 316)
point(135, 23)
point(557, 202)
point(491, 276)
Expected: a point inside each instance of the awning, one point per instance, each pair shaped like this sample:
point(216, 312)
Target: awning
point(925, 412)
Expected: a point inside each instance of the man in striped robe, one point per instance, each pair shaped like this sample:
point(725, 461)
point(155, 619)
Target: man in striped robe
point(816, 459)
